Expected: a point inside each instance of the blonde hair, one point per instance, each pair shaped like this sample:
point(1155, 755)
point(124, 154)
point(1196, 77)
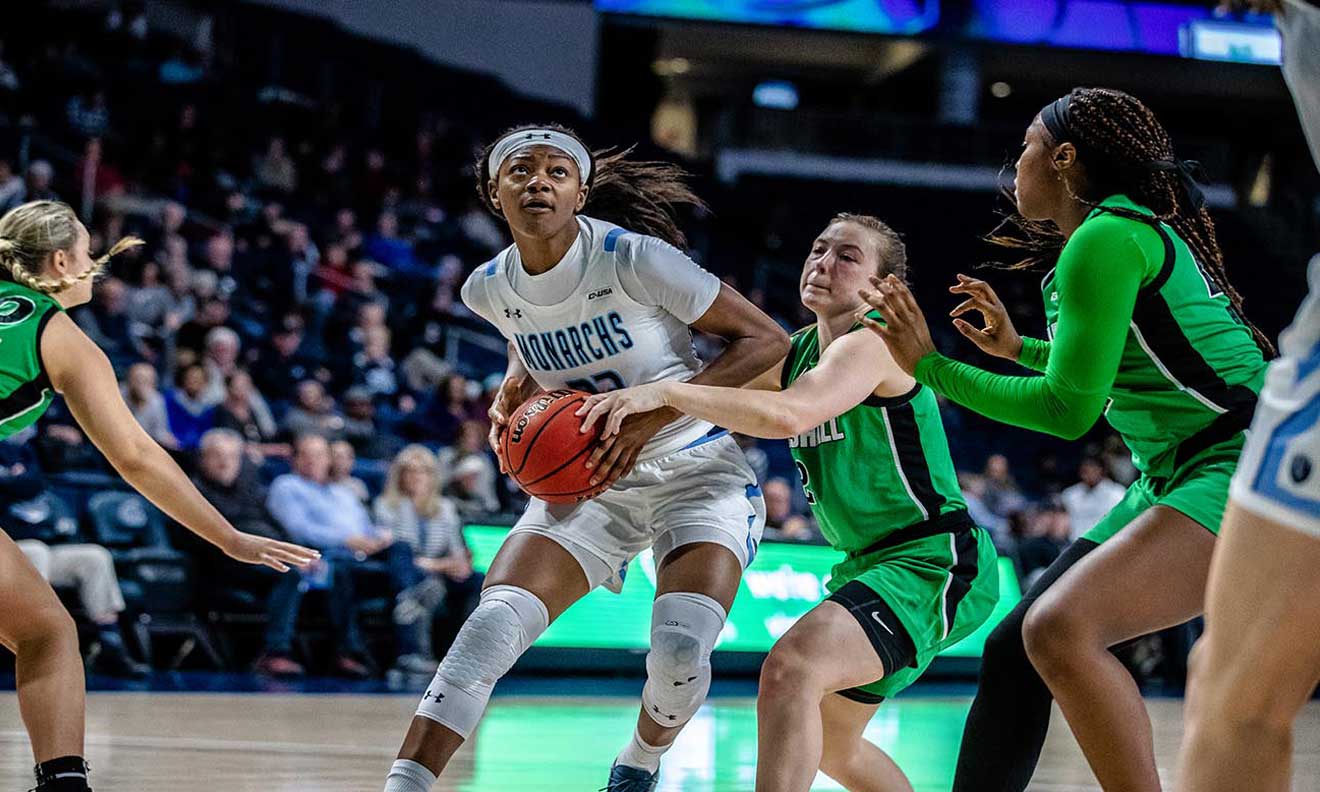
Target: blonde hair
point(418, 455)
point(31, 233)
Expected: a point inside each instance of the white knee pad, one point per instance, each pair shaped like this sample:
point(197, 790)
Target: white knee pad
point(506, 622)
point(684, 629)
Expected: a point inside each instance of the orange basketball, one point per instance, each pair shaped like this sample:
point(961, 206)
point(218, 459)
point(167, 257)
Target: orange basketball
point(546, 453)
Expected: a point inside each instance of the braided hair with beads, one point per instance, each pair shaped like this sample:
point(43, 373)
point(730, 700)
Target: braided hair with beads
point(1125, 150)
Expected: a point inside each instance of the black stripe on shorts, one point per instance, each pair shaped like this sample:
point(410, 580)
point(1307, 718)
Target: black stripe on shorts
point(888, 637)
point(964, 571)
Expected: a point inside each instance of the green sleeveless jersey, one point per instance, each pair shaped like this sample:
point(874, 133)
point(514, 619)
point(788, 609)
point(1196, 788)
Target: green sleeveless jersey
point(1187, 359)
point(878, 468)
point(25, 391)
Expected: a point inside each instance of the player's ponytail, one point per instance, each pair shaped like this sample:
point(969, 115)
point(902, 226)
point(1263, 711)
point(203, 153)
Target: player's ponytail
point(30, 233)
point(637, 195)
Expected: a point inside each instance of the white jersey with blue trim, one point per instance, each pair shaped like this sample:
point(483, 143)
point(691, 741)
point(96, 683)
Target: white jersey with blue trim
point(613, 313)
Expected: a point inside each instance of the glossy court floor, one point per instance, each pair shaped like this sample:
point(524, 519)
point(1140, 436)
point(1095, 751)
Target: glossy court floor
point(330, 742)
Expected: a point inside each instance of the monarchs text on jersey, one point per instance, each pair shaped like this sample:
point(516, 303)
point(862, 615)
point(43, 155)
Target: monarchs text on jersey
point(613, 313)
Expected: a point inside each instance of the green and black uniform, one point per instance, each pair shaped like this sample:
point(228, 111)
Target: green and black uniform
point(1136, 330)
point(25, 390)
point(883, 488)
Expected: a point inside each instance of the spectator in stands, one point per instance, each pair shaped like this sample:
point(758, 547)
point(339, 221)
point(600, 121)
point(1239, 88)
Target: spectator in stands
point(313, 412)
point(387, 247)
point(466, 490)
point(238, 413)
point(374, 369)
point(329, 517)
point(1002, 496)
point(213, 312)
point(44, 528)
point(284, 364)
point(782, 522)
point(369, 440)
point(147, 404)
point(11, 187)
point(9, 85)
point(37, 185)
point(342, 459)
point(412, 508)
point(973, 489)
point(1039, 536)
point(472, 444)
point(107, 323)
point(275, 170)
point(440, 415)
point(88, 113)
point(1090, 498)
point(221, 360)
point(189, 415)
point(238, 494)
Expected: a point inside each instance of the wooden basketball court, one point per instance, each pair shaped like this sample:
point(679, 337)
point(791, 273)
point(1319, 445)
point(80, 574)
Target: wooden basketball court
point(225, 742)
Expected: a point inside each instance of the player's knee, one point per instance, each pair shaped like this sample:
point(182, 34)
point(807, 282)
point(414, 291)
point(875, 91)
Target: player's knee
point(48, 627)
point(845, 762)
point(684, 629)
point(1051, 634)
point(675, 658)
point(1004, 644)
point(788, 671)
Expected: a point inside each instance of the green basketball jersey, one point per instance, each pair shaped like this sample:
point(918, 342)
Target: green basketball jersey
point(25, 391)
point(878, 468)
point(1188, 357)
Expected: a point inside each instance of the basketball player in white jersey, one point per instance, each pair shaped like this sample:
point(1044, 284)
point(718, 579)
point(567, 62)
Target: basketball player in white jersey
point(1259, 660)
point(595, 294)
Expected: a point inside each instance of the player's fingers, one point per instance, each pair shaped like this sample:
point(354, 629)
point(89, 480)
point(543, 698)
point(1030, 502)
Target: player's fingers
point(971, 331)
point(602, 448)
point(625, 467)
point(594, 412)
point(966, 305)
point(274, 563)
point(607, 464)
point(615, 422)
point(589, 402)
point(295, 554)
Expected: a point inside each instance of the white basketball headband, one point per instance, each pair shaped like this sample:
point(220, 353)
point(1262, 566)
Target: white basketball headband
point(515, 142)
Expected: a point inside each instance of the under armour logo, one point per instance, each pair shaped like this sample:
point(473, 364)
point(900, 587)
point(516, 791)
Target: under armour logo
point(876, 615)
point(513, 313)
point(681, 684)
point(429, 695)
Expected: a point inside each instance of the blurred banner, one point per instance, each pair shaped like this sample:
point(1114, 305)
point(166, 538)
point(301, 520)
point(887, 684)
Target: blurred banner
point(784, 582)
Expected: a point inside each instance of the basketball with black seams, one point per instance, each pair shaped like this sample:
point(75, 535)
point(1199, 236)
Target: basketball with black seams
point(545, 450)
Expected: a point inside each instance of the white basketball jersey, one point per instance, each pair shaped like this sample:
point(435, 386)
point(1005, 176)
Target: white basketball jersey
point(604, 336)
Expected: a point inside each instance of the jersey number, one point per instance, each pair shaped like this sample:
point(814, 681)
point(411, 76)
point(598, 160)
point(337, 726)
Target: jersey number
point(806, 481)
point(603, 382)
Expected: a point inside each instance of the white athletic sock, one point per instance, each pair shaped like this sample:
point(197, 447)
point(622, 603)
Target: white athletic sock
point(640, 753)
point(409, 776)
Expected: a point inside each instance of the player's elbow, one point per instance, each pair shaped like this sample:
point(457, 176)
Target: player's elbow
point(1075, 424)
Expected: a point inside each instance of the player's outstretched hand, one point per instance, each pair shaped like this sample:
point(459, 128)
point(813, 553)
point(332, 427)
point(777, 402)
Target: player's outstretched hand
point(904, 329)
point(998, 337)
point(617, 405)
point(273, 553)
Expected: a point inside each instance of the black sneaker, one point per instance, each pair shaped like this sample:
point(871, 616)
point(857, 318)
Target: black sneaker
point(631, 779)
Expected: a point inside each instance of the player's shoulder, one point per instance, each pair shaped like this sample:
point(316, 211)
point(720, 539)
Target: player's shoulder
point(626, 244)
point(482, 277)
